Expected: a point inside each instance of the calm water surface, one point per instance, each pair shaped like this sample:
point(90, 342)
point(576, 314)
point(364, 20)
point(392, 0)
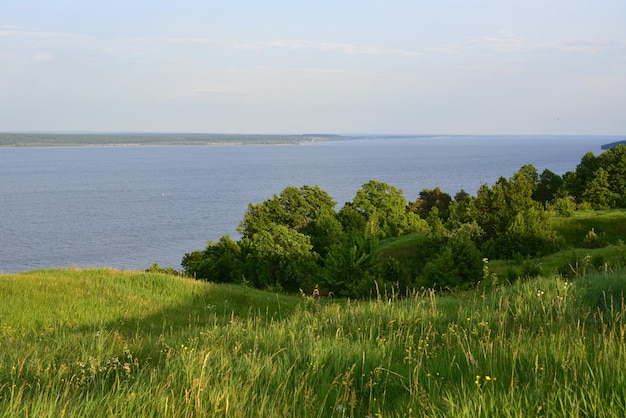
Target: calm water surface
point(128, 207)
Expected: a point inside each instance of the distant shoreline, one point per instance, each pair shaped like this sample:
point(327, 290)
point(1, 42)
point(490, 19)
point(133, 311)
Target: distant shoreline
point(120, 139)
point(166, 139)
point(613, 145)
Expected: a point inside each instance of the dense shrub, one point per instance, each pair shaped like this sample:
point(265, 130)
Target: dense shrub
point(353, 260)
point(460, 263)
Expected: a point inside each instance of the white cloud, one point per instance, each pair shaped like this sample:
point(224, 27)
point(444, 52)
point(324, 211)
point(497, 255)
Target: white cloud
point(296, 44)
point(341, 47)
point(510, 43)
point(43, 56)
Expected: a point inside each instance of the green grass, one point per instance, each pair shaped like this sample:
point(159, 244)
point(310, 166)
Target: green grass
point(608, 225)
point(401, 248)
point(109, 343)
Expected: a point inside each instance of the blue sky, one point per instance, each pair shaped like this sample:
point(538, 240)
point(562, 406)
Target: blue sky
point(423, 67)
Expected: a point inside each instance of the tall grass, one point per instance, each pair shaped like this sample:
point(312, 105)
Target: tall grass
point(102, 342)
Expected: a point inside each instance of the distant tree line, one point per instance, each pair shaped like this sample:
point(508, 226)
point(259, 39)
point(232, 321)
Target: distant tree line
point(81, 139)
point(298, 241)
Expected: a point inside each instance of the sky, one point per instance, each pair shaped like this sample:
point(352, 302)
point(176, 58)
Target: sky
point(324, 66)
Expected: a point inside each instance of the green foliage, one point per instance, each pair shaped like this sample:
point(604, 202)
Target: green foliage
point(613, 161)
point(429, 199)
point(325, 232)
point(436, 231)
point(279, 256)
point(564, 206)
point(592, 240)
point(459, 264)
point(599, 181)
point(156, 268)
point(295, 208)
point(548, 186)
point(511, 220)
point(351, 219)
point(219, 262)
point(598, 192)
point(529, 234)
point(350, 265)
point(458, 209)
point(574, 183)
point(496, 208)
point(384, 209)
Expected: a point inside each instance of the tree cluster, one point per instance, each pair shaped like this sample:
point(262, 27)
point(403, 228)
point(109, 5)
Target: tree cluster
point(298, 241)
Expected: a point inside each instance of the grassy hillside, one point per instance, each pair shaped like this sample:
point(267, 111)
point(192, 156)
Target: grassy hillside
point(608, 225)
point(603, 248)
point(103, 342)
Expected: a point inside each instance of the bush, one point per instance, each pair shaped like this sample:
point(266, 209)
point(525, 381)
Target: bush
point(530, 235)
point(460, 264)
point(155, 268)
point(350, 266)
point(565, 206)
point(219, 262)
point(592, 240)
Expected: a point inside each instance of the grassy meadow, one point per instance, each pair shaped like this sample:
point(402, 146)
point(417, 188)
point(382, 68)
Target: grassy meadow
point(85, 343)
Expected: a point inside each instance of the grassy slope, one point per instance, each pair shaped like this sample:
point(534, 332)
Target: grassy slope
point(103, 342)
point(610, 227)
point(578, 255)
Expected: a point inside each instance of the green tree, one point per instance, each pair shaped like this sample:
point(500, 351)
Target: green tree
point(574, 183)
point(458, 208)
point(279, 255)
point(491, 209)
point(436, 229)
point(295, 208)
point(529, 234)
point(384, 207)
point(219, 262)
point(460, 263)
point(613, 161)
point(350, 265)
point(547, 187)
point(565, 206)
point(431, 198)
point(508, 214)
point(325, 231)
point(351, 219)
point(598, 191)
